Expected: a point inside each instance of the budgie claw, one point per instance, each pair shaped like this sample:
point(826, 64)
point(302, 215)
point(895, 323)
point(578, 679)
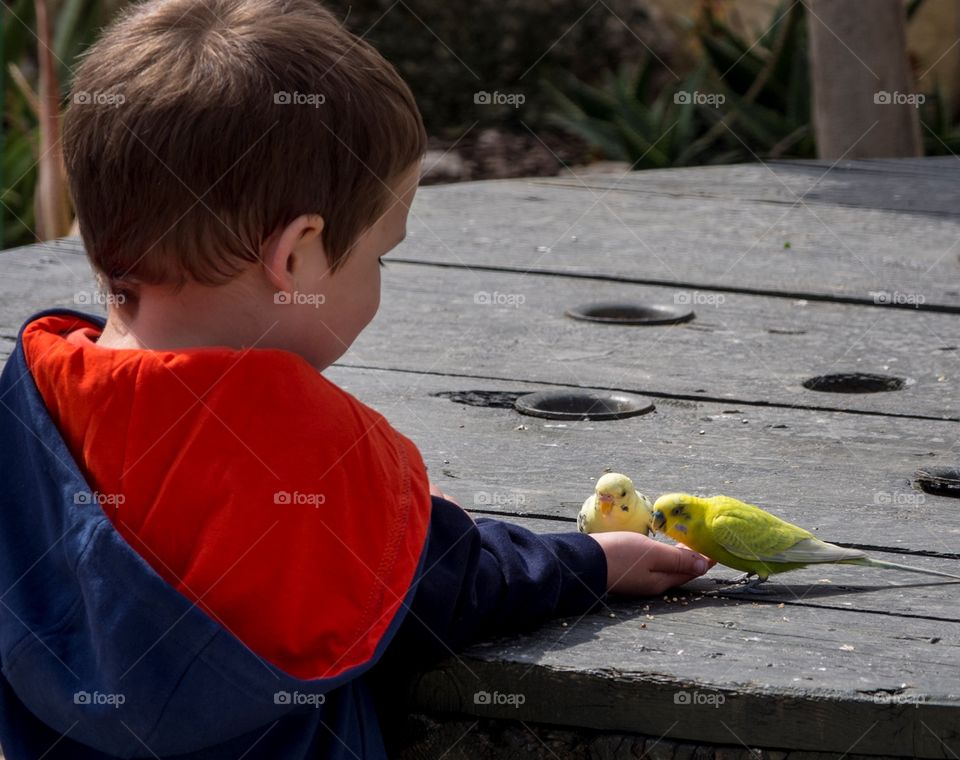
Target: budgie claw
point(746, 582)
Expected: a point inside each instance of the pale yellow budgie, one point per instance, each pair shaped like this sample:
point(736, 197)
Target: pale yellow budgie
point(615, 505)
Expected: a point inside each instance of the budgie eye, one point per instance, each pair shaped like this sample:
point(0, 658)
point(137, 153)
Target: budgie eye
point(676, 511)
point(625, 508)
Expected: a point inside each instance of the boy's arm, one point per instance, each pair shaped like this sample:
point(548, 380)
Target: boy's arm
point(483, 578)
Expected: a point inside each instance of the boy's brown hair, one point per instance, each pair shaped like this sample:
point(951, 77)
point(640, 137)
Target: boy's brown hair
point(197, 128)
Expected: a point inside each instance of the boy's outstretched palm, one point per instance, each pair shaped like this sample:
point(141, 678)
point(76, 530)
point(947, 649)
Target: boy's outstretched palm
point(641, 566)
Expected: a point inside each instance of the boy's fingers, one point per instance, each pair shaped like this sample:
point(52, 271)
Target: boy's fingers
point(683, 562)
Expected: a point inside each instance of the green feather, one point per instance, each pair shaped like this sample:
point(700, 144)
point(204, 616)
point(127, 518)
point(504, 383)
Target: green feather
point(748, 538)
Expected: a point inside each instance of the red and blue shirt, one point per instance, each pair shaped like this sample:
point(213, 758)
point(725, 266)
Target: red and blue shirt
point(287, 510)
point(205, 553)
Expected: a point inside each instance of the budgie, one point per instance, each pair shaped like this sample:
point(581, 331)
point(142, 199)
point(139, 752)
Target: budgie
point(615, 505)
point(747, 538)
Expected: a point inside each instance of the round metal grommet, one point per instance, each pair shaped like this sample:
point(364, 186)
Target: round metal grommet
point(942, 481)
point(855, 382)
point(623, 313)
point(575, 404)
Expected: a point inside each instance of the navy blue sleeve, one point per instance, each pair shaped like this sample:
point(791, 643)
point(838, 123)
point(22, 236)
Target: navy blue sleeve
point(484, 578)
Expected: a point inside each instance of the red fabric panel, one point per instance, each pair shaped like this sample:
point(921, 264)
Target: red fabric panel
point(289, 511)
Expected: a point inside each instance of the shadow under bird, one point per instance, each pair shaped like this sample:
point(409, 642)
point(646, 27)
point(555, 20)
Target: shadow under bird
point(747, 538)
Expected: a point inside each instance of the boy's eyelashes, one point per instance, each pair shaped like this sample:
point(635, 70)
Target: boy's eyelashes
point(381, 261)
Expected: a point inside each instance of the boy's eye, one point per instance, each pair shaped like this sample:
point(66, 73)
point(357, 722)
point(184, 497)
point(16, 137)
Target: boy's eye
point(381, 262)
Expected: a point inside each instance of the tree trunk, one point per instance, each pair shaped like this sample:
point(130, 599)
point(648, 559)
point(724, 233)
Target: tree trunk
point(864, 95)
point(51, 205)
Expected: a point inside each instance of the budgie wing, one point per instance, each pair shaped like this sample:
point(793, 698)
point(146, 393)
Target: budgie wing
point(642, 504)
point(752, 537)
point(586, 513)
point(769, 539)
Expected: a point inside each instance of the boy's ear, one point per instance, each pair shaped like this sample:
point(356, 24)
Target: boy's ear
point(284, 251)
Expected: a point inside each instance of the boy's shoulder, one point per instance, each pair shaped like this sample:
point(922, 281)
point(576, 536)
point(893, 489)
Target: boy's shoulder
point(262, 418)
point(252, 383)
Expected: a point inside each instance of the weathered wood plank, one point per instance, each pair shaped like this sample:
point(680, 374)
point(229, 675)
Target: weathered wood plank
point(846, 477)
point(39, 277)
point(857, 494)
point(668, 236)
point(916, 186)
point(742, 348)
point(928, 186)
point(748, 349)
point(693, 226)
point(696, 668)
point(716, 668)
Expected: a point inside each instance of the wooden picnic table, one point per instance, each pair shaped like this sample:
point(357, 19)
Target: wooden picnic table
point(794, 271)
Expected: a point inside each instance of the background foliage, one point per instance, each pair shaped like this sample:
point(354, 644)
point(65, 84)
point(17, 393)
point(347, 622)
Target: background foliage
point(613, 74)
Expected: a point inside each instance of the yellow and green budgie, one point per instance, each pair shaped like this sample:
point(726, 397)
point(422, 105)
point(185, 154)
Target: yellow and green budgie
point(747, 538)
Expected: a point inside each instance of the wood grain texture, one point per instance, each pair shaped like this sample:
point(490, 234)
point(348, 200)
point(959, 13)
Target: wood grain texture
point(607, 673)
point(42, 276)
point(748, 349)
point(658, 228)
point(699, 668)
point(916, 186)
point(845, 477)
point(741, 348)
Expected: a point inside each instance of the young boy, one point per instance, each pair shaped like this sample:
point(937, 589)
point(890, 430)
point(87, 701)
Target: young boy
point(206, 545)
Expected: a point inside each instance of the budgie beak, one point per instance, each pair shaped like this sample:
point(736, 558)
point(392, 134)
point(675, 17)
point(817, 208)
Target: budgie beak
point(659, 520)
point(606, 503)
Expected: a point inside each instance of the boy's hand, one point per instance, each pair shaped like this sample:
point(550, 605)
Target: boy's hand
point(641, 566)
